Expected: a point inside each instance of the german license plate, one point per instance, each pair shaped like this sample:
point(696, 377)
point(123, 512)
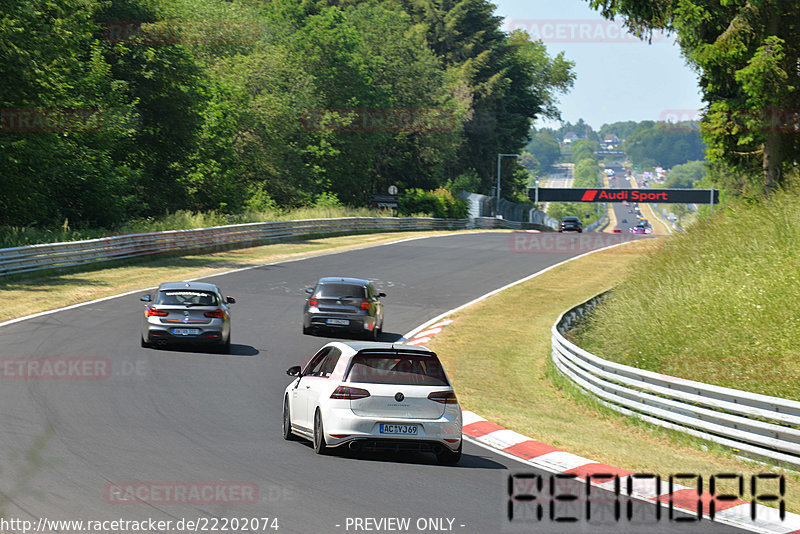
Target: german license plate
point(406, 430)
point(343, 322)
point(185, 331)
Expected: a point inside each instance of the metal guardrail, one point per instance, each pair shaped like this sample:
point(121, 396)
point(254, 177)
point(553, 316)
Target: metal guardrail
point(493, 222)
point(754, 425)
point(58, 255)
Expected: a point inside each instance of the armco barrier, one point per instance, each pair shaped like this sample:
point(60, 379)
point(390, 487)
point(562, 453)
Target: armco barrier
point(754, 425)
point(58, 255)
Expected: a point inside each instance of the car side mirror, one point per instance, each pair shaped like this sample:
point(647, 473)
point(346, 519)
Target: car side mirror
point(309, 290)
point(381, 294)
point(293, 371)
point(230, 300)
point(146, 298)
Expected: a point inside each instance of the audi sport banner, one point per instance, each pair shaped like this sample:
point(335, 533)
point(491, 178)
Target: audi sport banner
point(666, 196)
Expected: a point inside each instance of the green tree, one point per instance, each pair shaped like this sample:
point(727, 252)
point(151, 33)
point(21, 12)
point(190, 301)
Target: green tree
point(684, 176)
point(545, 148)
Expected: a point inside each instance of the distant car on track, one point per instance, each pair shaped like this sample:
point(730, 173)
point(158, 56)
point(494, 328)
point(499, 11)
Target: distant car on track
point(374, 396)
point(187, 312)
point(570, 223)
point(639, 229)
point(617, 230)
point(340, 304)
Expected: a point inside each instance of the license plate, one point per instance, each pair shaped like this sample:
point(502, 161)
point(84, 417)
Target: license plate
point(185, 331)
point(338, 321)
point(408, 430)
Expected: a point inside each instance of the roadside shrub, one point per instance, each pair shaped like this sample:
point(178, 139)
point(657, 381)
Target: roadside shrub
point(439, 203)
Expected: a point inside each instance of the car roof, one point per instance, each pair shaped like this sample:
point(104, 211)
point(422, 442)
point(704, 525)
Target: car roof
point(343, 280)
point(201, 286)
point(358, 346)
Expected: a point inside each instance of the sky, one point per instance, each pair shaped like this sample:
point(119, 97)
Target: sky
point(618, 77)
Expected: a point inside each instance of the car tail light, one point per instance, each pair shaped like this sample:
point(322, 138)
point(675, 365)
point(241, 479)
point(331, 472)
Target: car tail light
point(364, 304)
point(348, 393)
point(216, 314)
point(313, 303)
point(155, 312)
point(445, 397)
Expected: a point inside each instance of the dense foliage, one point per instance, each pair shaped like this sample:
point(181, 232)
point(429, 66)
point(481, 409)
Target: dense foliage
point(120, 109)
point(686, 175)
point(663, 144)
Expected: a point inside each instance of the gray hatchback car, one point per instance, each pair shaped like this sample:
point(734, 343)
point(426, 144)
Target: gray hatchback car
point(187, 312)
point(350, 305)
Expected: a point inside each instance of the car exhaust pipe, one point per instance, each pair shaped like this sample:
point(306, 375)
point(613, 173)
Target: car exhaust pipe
point(437, 449)
point(354, 446)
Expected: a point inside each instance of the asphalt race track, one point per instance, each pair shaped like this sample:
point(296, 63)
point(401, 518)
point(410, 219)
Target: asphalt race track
point(179, 418)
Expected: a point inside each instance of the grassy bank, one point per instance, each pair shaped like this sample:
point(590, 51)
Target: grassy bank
point(500, 365)
point(716, 304)
point(16, 236)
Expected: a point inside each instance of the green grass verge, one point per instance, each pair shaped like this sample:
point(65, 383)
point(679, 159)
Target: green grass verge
point(497, 353)
point(716, 304)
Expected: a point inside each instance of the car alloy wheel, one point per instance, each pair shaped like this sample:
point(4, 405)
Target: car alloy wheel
point(319, 435)
point(287, 421)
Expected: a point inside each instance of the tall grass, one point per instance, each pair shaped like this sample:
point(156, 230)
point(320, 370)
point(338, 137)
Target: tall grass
point(717, 304)
point(14, 236)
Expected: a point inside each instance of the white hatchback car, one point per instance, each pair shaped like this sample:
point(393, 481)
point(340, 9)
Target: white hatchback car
point(374, 396)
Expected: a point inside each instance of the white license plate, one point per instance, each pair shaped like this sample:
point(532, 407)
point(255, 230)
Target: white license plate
point(407, 430)
point(185, 331)
point(338, 321)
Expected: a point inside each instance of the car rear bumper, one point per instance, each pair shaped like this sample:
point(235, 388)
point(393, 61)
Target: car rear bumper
point(356, 323)
point(342, 426)
point(159, 335)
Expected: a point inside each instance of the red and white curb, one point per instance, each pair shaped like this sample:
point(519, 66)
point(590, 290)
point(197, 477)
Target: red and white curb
point(736, 513)
point(423, 337)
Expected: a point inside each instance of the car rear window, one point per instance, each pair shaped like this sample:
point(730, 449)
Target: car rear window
point(401, 369)
point(182, 297)
point(341, 291)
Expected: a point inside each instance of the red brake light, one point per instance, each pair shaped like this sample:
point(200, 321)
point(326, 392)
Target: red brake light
point(155, 312)
point(348, 393)
point(445, 397)
point(313, 303)
point(364, 304)
point(216, 314)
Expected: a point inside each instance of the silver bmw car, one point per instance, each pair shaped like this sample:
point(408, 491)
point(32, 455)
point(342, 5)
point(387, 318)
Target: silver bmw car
point(187, 312)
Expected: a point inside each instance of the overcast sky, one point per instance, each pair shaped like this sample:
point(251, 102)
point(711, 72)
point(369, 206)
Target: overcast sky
point(618, 77)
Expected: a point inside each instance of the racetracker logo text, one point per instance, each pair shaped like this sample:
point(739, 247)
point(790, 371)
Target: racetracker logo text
point(557, 243)
point(579, 31)
point(50, 120)
point(55, 368)
point(181, 493)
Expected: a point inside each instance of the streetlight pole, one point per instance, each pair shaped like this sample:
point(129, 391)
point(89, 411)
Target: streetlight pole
point(499, 156)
